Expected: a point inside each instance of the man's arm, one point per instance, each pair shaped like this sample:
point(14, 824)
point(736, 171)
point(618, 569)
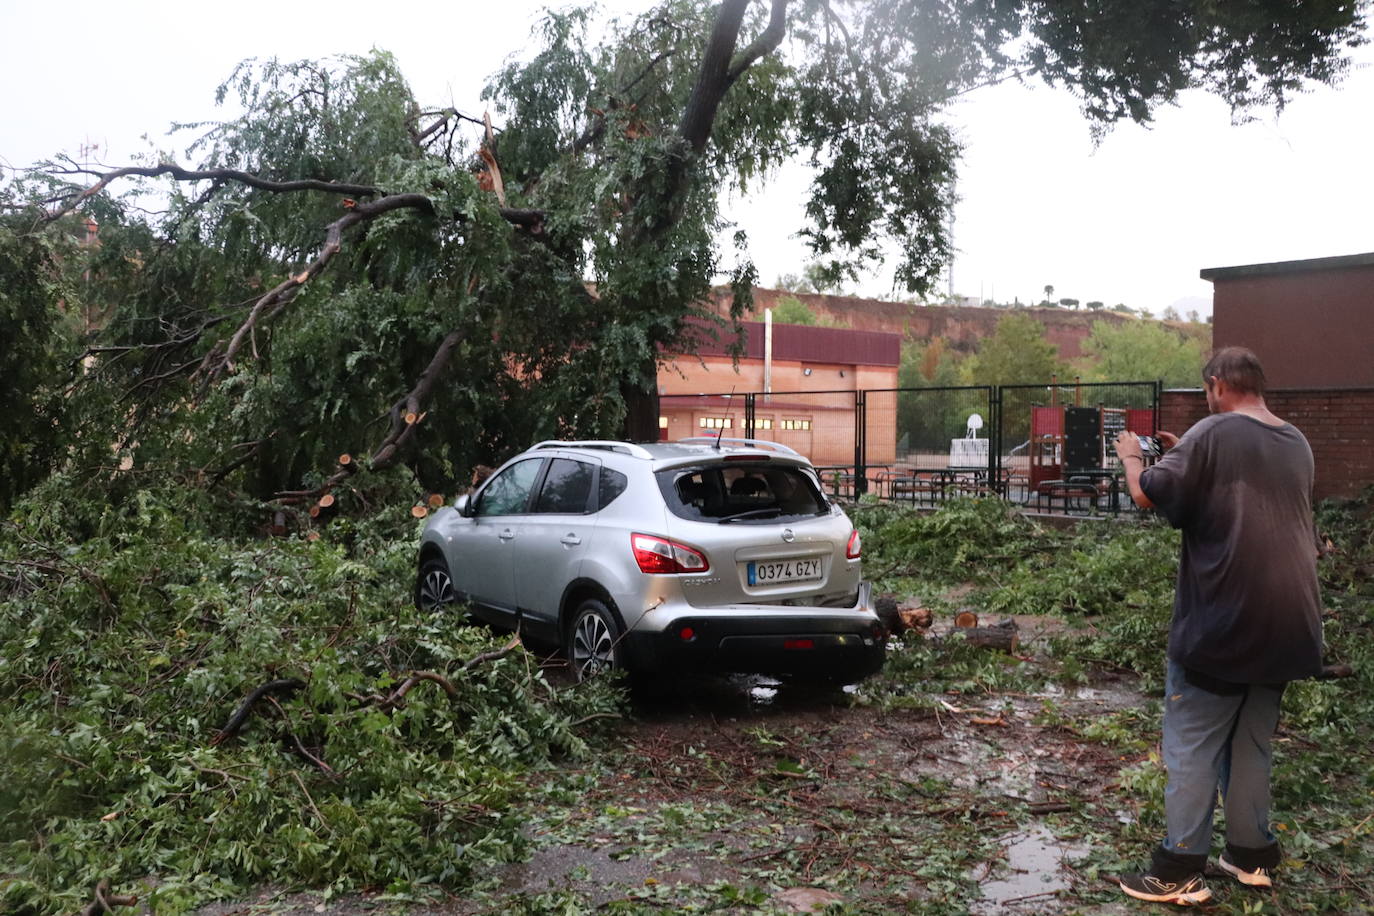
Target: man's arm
point(1133, 463)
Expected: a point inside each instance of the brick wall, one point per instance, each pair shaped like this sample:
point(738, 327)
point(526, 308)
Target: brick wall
point(1338, 423)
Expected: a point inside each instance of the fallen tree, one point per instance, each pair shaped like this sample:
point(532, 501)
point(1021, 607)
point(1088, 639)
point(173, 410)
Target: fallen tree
point(339, 258)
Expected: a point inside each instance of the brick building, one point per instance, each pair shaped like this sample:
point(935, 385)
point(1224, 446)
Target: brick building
point(815, 372)
point(1312, 325)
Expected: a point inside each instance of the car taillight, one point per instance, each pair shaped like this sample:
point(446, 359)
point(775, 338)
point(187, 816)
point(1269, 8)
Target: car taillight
point(854, 547)
point(659, 556)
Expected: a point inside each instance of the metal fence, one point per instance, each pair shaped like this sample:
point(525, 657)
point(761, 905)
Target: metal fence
point(1047, 446)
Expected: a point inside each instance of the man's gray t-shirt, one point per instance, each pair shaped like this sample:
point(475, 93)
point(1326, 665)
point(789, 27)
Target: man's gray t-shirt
point(1247, 608)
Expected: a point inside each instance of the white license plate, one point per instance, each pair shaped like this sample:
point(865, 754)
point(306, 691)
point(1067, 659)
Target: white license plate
point(778, 571)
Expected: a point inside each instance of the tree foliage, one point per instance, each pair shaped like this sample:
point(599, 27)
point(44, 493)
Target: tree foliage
point(1142, 351)
point(1016, 353)
point(34, 286)
point(130, 631)
point(345, 270)
point(791, 310)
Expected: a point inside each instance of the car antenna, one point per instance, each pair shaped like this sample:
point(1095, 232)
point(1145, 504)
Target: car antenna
point(720, 432)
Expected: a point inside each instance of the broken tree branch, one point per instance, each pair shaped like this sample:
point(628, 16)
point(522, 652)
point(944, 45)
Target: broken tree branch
point(240, 716)
point(397, 697)
point(765, 44)
point(531, 220)
point(182, 174)
point(492, 656)
point(275, 299)
point(105, 902)
point(405, 413)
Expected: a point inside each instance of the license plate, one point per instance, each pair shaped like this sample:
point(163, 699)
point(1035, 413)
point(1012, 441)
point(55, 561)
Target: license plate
point(777, 571)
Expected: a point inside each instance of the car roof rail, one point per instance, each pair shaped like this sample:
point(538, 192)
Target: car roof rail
point(609, 445)
point(750, 443)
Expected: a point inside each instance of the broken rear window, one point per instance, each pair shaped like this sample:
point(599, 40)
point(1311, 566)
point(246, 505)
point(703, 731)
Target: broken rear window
point(741, 493)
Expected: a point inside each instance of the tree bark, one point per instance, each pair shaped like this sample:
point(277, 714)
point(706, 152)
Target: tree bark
point(641, 412)
point(1004, 639)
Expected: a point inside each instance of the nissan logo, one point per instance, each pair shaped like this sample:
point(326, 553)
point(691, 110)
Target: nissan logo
point(788, 536)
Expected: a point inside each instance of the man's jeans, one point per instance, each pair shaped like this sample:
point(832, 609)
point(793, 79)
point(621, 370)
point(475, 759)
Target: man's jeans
point(1216, 735)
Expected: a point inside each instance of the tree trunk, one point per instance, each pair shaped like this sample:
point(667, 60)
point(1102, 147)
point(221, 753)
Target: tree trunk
point(1004, 639)
point(641, 412)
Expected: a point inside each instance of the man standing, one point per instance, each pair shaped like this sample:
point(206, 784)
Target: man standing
point(1246, 620)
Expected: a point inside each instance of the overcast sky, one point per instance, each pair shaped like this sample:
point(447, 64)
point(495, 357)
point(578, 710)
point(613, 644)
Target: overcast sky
point(1130, 221)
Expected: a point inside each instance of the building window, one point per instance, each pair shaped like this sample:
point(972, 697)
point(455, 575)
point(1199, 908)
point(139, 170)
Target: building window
point(662, 422)
point(714, 422)
point(764, 423)
point(795, 424)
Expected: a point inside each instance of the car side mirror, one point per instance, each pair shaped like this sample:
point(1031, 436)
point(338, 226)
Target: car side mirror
point(463, 505)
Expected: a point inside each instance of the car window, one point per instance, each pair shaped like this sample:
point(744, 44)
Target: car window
point(567, 487)
point(741, 493)
point(508, 493)
point(611, 485)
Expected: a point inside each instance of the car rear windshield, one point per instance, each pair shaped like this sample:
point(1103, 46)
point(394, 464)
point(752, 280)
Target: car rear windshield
point(741, 493)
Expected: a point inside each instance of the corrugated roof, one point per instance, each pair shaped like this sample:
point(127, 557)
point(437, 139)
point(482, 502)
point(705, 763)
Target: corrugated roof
point(801, 342)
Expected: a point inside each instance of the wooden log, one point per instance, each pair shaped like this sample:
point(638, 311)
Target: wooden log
point(419, 510)
point(915, 618)
point(326, 500)
point(1003, 639)
point(436, 500)
point(965, 619)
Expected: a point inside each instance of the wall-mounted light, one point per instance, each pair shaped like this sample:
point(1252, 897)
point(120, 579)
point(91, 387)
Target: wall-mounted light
point(806, 371)
point(841, 373)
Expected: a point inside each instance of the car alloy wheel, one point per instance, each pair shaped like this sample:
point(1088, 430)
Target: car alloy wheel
point(593, 640)
point(435, 587)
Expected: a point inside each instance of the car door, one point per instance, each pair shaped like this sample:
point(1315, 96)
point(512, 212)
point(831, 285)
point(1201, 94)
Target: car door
point(554, 538)
point(486, 567)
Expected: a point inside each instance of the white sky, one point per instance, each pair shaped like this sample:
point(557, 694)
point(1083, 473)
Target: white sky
point(1131, 221)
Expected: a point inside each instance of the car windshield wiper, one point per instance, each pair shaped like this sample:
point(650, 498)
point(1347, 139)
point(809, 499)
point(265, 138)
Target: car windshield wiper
point(769, 512)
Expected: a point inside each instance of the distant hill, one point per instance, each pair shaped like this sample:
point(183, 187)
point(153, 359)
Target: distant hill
point(962, 326)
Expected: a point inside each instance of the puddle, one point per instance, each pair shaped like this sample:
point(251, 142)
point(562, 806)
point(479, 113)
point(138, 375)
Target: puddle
point(1030, 875)
point(762, 694)
point(732, 696)
point(1114, 696)
point(980, 767)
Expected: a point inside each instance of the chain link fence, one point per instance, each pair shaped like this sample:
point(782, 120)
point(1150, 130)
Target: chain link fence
point(1044, 446)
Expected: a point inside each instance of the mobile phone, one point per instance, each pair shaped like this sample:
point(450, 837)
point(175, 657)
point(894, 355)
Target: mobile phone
point(1149, 445)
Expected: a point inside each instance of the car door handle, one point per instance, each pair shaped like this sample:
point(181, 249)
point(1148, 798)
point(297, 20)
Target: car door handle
point(570, 539)
point(506, 534)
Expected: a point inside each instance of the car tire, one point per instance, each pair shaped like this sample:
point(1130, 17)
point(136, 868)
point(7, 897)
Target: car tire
point(592, 644)
point(434, 586)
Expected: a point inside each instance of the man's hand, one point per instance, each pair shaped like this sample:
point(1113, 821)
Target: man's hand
point(1168, 440)
point(1127, 445)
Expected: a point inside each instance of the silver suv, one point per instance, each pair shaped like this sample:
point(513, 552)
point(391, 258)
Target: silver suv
point(706, 553)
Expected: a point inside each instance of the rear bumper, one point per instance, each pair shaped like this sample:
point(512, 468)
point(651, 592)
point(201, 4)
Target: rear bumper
point(845, 644)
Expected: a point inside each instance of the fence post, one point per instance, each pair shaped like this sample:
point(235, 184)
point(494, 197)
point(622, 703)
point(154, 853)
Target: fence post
point(995, 440)
point(1159, 393)
point(749, 415)
point(860, 443)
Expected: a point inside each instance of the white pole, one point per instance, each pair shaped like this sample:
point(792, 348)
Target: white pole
point(767, 351)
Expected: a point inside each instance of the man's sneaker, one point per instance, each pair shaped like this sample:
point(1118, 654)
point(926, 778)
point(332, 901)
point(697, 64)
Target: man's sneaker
point(1188, 891)
point(1260, 877)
